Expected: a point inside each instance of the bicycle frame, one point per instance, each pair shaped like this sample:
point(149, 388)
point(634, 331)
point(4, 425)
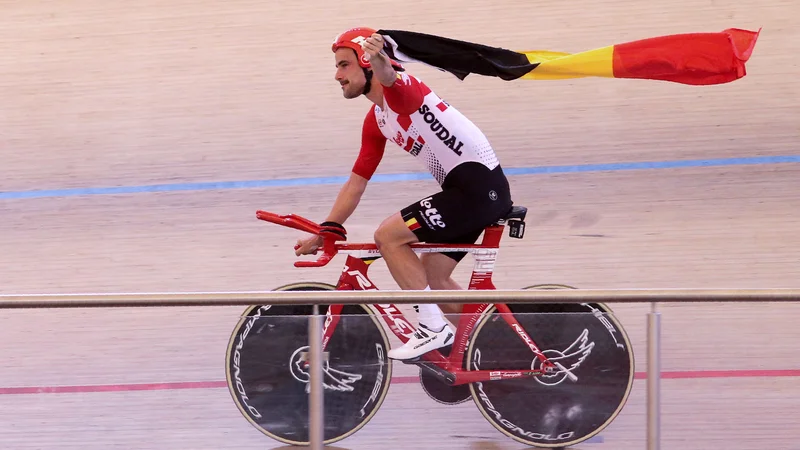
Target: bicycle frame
point(354, 277)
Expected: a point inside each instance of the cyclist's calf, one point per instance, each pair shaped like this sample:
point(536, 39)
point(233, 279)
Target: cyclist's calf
point(439, 270)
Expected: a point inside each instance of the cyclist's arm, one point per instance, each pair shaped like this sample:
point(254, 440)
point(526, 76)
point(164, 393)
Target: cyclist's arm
point(348, 198)
point(382, 69)
point(373, 144)
point(405, 95)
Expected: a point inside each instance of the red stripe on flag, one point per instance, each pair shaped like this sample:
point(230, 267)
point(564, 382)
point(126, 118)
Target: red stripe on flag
point(693, 58)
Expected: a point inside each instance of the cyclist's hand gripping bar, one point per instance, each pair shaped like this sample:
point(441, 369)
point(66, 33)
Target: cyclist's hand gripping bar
point(329, 234)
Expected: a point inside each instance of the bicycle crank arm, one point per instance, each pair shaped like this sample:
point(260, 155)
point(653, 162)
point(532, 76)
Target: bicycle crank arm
point(570, 375)
point(445, 376)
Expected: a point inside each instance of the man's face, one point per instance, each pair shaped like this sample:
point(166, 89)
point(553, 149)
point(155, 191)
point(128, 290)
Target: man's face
point(348, 73)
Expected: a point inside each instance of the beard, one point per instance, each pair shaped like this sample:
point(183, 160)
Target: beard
point(352, 90)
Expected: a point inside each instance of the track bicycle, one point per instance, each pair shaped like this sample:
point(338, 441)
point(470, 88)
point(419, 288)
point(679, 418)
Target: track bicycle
point(547, 375)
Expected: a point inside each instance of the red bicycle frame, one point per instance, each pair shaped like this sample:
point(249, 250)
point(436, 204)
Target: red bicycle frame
point(354, 277)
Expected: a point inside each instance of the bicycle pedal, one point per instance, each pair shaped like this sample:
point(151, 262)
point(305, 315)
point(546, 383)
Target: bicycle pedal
point(445, 351)
point(412, 361)
point(516, 228)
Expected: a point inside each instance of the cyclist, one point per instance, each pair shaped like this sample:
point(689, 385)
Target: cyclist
point(475, 191)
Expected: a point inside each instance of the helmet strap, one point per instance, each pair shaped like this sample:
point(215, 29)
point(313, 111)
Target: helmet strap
point(368, 76)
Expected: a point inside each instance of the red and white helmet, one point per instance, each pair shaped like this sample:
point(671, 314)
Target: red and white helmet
point(353, 38)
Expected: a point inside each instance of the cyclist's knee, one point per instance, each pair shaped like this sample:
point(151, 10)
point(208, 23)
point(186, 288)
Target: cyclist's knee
point(378, 237)
point(382, 236)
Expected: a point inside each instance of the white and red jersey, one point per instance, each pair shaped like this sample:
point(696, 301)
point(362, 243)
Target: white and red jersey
point(424, 125)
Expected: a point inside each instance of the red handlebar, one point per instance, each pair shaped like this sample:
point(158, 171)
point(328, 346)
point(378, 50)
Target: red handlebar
point(321, 261)
point(291, 221)
point(303, 224)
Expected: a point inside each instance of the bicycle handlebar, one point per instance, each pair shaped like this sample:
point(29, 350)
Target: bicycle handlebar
point(290, 220)
point(321, 261)
point(301, 223)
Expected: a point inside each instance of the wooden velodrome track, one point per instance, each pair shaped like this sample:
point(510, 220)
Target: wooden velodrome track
point(152, 97)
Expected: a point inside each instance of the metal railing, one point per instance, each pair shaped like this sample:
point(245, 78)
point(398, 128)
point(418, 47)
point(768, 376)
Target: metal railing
point(654, 297)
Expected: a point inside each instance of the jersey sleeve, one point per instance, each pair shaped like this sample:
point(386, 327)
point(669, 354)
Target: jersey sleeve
point(373, 144)
point(405, 95)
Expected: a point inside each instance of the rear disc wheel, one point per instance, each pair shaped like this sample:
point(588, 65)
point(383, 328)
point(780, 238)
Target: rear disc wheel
point(551, 410)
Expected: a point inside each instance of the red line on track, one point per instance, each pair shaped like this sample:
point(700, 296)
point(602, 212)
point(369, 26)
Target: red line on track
point(112, 387)
point(398, 379)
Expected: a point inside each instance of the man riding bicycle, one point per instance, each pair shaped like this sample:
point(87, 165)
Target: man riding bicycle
point(475, 191)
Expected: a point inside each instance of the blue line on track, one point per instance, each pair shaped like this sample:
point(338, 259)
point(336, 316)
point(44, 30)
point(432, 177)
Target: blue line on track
point(387, 178)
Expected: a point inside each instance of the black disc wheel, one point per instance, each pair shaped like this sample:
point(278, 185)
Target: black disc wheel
point(268, 378)
point(552, 410)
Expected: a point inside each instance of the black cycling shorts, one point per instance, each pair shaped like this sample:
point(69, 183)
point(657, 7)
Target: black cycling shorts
point(472, 198)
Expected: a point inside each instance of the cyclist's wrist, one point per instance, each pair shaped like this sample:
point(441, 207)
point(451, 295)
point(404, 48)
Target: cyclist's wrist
point(334, 228)
point(331, 223)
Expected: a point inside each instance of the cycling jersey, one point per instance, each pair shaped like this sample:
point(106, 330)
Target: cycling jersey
point(475, 192)
point(425, 126)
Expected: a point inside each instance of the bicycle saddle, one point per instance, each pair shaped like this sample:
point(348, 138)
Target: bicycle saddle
point(516, 221)
point(515, 213)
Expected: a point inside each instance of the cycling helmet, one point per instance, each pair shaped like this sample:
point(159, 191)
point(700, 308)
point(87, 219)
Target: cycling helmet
point(353, 38)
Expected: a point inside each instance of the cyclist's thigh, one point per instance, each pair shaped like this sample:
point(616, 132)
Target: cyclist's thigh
point(473, 198)
point(440, 217)
point(443, 218)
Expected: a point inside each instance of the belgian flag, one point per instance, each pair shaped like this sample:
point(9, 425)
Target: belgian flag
point(692, 58)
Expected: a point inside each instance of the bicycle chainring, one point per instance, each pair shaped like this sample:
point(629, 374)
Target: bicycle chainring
point(441, 392)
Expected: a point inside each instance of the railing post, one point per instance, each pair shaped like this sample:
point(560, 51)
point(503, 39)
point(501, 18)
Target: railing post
point(654, 379)
point(315, 399)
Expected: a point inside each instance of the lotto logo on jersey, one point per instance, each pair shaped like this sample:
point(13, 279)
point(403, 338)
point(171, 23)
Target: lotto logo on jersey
point(431, 215)
point(398, 139)
point(412, 145)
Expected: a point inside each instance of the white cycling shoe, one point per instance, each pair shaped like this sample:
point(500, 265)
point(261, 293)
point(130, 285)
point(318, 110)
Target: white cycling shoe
point(423, 341)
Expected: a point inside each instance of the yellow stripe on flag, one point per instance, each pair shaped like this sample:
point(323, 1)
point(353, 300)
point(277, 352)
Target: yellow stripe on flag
point(555, 65)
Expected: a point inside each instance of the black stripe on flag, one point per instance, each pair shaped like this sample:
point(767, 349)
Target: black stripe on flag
point(460, 58)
